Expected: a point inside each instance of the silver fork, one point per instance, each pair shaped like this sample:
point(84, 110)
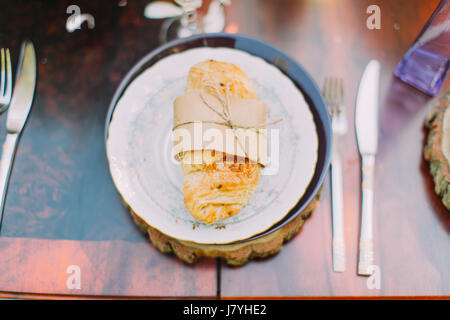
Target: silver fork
point(333, 93)
point(5, 80)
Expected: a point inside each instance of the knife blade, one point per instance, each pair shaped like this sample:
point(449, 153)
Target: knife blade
point(366, 125)
point(18, 112)
point(23, 89)
point(366, 114)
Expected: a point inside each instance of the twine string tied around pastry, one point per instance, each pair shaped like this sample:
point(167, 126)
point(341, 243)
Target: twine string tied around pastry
point(225, 114)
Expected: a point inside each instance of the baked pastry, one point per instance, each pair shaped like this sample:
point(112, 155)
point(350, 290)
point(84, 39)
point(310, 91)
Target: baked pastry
point(221, 182)
point(437, 148)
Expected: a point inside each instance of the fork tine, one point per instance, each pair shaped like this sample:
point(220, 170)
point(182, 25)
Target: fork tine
point(334, 95)
point(324, 89)
point(2, 76)
point(330, 96)
point(325, 94)
point(339, 94)
point(9, 84)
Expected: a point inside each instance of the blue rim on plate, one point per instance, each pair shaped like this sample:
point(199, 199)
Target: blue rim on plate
point(285, 64)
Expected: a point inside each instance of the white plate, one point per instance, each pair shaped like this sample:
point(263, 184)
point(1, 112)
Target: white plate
point(139, 148)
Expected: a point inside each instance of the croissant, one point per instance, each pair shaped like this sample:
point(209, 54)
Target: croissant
point(220, 186)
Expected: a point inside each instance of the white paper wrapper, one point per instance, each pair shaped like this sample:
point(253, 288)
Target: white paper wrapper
point(198, 127)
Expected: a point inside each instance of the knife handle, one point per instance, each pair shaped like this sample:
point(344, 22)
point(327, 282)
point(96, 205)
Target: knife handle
point(338, 213)
point(9, 147)
point(366, 237)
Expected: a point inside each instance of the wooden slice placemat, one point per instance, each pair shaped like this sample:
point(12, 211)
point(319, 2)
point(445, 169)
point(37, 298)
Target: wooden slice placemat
point(233, 254)
point(437, 148)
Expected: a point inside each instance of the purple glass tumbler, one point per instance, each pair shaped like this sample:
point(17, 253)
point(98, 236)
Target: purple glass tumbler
point(426, 63)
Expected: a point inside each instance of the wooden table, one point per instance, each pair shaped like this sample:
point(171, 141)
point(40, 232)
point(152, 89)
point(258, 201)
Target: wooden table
point(62, 208)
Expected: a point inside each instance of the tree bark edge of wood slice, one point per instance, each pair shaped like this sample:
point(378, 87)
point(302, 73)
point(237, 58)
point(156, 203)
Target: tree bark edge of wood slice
point(234, 254)
point(436, 150)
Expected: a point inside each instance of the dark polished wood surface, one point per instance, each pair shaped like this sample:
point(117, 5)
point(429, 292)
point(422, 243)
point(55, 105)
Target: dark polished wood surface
point(411, 226)
point(62, 208)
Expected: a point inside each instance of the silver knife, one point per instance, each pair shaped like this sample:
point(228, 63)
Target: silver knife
point(19, 109)
point(366, 122)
